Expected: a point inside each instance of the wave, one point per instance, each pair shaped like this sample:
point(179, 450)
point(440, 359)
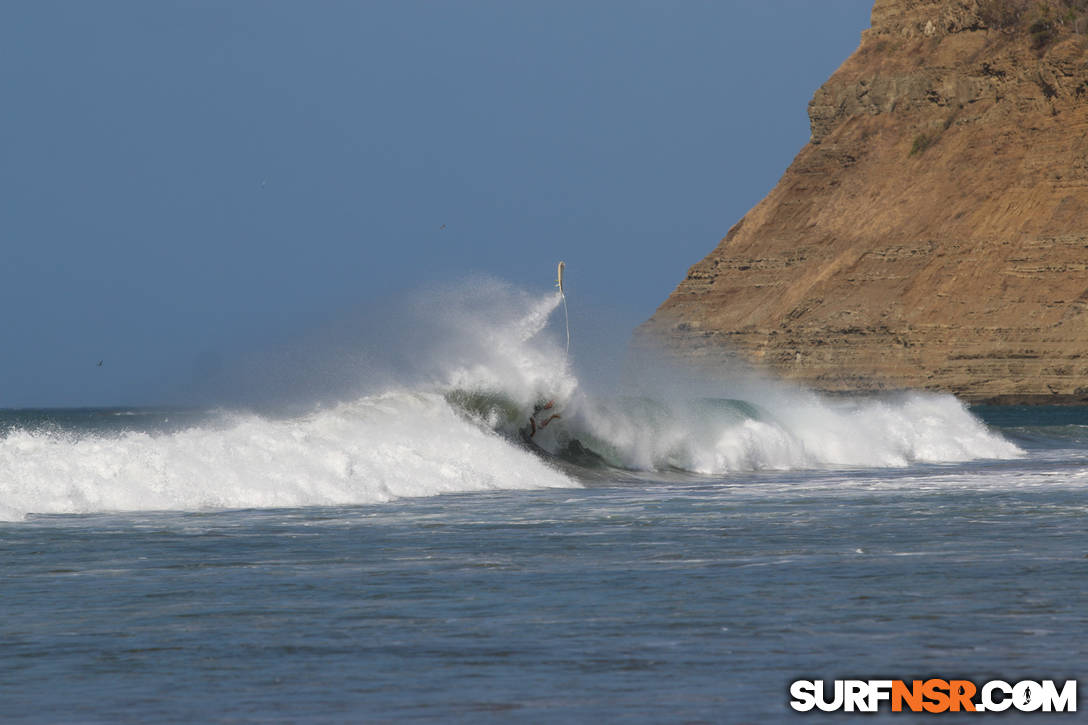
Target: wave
point(464, 423)
point(720, 436)
point(380, 448)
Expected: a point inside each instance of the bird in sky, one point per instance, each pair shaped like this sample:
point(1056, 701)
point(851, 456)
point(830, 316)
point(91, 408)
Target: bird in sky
point(99, 363)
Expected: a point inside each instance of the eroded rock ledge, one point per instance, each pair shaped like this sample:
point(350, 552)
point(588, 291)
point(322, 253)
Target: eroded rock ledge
point(934, 232)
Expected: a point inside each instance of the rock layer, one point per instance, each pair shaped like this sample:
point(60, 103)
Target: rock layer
point(934, 232)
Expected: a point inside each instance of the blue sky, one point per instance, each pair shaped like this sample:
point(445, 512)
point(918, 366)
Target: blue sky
point(185, 183)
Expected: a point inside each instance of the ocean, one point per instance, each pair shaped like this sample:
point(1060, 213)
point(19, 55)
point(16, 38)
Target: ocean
point(411, 554)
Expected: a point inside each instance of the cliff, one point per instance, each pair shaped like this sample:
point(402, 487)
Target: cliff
point(934, 232)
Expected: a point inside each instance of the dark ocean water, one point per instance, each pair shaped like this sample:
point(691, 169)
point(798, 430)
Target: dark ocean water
point(637, 597)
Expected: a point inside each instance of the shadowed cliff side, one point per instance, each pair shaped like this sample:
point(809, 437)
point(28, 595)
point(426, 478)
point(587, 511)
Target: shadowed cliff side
point(934, 232)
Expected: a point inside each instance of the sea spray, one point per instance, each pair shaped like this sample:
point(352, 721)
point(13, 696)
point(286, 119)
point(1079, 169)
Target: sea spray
point(502, 348)
point(678, 420)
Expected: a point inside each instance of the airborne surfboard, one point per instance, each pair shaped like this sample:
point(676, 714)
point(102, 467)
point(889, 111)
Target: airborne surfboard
point(563, 294)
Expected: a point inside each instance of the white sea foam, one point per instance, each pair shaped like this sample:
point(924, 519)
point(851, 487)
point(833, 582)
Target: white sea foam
point(371, 450)
point(779, 430)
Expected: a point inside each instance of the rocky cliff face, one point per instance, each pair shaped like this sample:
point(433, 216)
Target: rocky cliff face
point(934, 232)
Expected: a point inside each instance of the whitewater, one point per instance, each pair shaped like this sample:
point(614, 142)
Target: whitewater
point(457, 427)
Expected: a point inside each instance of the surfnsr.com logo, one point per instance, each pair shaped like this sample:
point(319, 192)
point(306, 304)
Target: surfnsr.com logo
point(933, 695)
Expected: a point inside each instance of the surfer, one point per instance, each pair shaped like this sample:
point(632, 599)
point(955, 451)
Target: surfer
point(541, 406)
point(537, 410)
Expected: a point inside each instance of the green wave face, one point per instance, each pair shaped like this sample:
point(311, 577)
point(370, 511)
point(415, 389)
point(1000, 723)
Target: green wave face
point(497, 411)
point(614, 433)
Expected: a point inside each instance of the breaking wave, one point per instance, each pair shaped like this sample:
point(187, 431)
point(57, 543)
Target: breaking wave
point(383, 447)
point(462, 424)
point(721, 436)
